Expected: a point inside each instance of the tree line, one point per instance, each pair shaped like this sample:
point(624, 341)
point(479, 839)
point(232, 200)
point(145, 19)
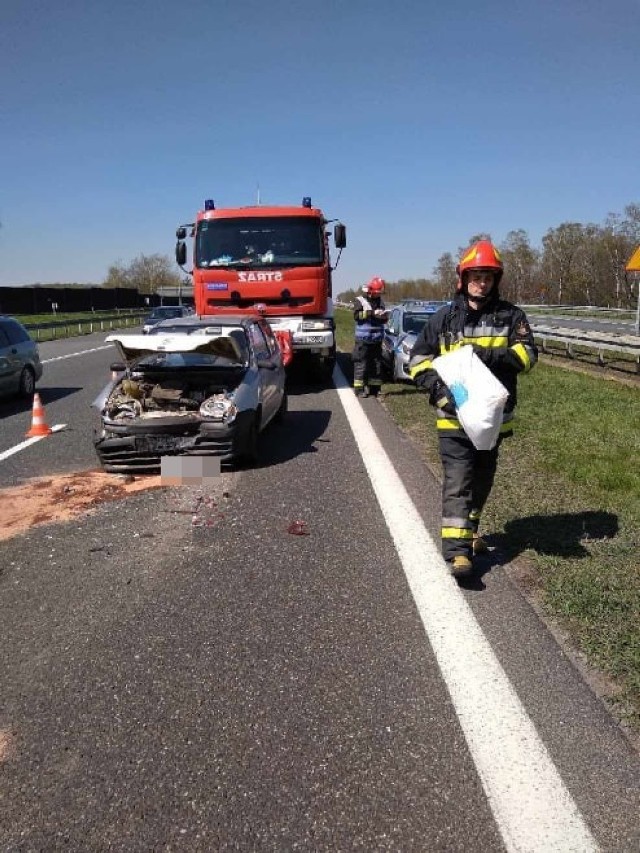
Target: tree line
point(145, 273)
point(576, 264)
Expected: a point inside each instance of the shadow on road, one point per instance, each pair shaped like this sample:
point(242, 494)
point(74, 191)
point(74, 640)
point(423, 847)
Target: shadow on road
point(296, 437)
point(345, 363)
point(561, 535)
point(17, 405)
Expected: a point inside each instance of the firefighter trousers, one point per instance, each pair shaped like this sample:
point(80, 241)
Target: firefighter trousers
point(367, 365)
point(468, 476)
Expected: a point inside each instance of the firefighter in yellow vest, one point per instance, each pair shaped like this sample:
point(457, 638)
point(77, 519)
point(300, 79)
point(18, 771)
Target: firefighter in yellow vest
point(502, 338)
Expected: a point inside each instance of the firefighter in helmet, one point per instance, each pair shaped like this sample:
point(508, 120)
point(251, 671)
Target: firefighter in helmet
point(501, 337)
point(370, 316)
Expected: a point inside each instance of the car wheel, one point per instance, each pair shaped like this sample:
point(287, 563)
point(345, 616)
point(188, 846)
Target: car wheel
point(282, 409)
point(27, 384)
point(325, 366)
point(397, 371)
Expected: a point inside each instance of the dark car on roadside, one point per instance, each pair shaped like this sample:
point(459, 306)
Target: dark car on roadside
point(194, 387)
point(165, 312)
point(20, 365)
point(402, 328)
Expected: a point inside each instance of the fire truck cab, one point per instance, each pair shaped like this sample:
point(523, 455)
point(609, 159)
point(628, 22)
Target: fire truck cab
point(270, 260)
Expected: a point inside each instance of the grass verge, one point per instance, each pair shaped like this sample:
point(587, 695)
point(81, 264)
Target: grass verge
point(70, 325)
point(567, 501)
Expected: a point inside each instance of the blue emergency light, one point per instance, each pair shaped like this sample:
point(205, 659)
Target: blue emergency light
point(306, 201)
point(209, 204)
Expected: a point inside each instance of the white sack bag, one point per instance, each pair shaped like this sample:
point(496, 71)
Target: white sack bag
point(479, 396)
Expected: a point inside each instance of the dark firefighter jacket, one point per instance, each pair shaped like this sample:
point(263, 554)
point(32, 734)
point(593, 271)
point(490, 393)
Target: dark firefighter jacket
point(500, 334)
point(369, 329)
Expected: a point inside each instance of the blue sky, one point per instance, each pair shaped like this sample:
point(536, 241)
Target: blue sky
point(416, 123)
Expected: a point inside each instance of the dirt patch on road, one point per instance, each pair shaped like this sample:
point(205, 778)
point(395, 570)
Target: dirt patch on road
point(6, 745)
point(62, 497)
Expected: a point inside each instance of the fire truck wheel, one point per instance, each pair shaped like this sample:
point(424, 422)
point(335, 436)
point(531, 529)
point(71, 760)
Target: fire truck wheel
point(326, 365)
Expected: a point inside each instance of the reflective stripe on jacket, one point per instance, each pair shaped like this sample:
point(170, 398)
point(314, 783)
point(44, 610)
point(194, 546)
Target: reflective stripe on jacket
point(499, 326)
point(368, 328)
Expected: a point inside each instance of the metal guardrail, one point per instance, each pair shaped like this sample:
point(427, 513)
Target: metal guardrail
point(593, 310)
point(88, 325)
point(596, 341)
point(576, 309)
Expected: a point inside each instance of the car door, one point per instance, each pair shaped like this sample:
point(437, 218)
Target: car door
point(279, 375)
point(10, 364)
point(268, 377)
point(390, 338)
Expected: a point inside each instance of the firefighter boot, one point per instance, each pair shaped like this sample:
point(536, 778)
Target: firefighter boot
point(461, 566)
point(479, 545)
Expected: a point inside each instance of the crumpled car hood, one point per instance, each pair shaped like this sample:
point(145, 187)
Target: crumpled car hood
point(134, 347)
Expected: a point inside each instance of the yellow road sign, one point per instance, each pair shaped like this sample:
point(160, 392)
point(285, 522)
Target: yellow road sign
point(633, 264)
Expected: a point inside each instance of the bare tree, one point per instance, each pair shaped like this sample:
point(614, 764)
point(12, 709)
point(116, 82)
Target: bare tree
point(146, 273)
point(445, 275)
point(632, 222)
point(520, 262)
point(117, 276)
point(560, 247)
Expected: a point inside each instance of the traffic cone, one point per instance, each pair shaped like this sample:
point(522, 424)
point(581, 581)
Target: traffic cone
point(39, 425)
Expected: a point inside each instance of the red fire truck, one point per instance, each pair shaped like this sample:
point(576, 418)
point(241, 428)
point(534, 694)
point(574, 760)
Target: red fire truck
point(269, 260)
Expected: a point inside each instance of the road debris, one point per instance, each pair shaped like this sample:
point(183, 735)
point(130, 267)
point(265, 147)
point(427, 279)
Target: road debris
point(62, 497)
point(205, 512)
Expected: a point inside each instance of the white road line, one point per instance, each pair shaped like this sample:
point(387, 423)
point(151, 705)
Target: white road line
point(533, 809)
point(18, 447)
point(75, 354)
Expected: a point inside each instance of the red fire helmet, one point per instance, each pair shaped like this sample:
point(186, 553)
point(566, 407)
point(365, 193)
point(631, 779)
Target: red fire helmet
point(375, 287)
point(482, 255)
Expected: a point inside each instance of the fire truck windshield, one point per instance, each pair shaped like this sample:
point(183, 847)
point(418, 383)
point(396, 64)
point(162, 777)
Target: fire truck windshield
point(259, 242)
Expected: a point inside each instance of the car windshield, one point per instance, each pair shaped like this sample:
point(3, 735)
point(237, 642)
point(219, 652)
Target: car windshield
point(185, 361)
point(259, 242)
point(413, 323)
point(165, 313)
point(179, 360)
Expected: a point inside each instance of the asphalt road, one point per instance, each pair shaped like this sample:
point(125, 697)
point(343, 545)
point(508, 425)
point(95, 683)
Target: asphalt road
point(75, 371)
point(180, 672)
point(585, 324)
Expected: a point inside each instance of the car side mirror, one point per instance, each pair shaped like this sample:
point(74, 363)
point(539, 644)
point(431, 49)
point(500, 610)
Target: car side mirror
point(118, 367)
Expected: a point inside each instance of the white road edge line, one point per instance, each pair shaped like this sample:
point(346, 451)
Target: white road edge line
point(74, 354)
point(18, 447)
point(532, 807)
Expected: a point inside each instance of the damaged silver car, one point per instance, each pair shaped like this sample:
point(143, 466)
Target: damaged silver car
point(198, 386)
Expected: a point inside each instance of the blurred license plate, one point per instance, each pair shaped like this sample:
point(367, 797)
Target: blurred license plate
point(314, 339)
point(156, 443)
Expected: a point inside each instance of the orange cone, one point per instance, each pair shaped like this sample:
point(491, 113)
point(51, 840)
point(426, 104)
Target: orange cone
point(39, 425)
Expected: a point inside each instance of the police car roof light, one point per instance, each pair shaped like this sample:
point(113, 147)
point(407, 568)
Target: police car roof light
point(306, 201)
point(209, 204)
